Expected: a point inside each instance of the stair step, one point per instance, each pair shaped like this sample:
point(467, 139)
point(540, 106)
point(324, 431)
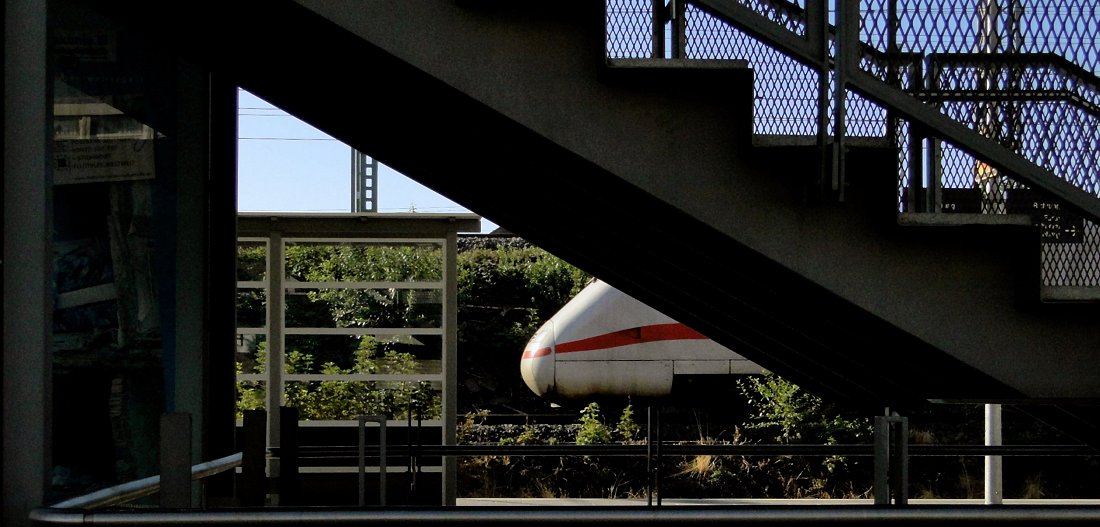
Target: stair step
point(1053, 293)
point(957, 218)
point(780, 140)
point(690, 75)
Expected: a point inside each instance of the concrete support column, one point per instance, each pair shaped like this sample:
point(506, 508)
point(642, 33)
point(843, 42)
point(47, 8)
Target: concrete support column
point(26, 261)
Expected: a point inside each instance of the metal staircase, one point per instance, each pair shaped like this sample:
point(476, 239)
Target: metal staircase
point(768, 225)
point(992, 107)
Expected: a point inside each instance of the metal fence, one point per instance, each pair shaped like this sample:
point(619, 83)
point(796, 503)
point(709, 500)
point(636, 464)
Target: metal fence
point(1022, 73)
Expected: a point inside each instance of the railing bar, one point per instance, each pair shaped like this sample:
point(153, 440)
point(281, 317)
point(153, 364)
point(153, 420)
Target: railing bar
point(320, 452)
point(145, 486)
point(611, 515)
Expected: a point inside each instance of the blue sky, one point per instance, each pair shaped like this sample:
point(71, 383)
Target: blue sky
point(286, 165)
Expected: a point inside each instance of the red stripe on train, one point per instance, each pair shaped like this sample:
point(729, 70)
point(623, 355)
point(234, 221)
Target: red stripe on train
point(639, 335)
point(535, 353)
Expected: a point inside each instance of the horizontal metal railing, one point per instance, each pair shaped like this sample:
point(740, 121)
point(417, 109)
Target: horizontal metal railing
point(133, 490)
point(742, 515)
point(82, 511)
point(350, 453)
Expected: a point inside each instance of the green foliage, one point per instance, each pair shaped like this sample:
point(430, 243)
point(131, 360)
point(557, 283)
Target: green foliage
point(785, 413)
point(627, 428)
point(340, 400)
point(370, 263)
point(504, 295)
point(593, 431)
point(250, 395)
point(782, 412)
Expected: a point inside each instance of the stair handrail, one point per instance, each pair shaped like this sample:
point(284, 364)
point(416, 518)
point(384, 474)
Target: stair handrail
point(132, 490)
point(848, 75)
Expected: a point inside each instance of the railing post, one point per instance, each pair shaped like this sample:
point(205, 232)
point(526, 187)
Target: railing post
point(381, 420)
point(893, 70)
point(847, 59)
point(253, 460)
point(993, 483)
point(934, 163)
point(817, 34)
point(175, 460)
point(660, 15)
point(917, 200)
point(289, 481)
point(653, 455)
point(678, 14)
point(891, 460)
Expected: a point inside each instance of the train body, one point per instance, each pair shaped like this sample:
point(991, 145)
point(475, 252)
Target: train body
point(604, 342)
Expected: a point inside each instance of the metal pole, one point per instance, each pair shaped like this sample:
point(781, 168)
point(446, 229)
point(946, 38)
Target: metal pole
point(657, 465)
point(678, 12)
point(817, 23)
point(847, 59)
point(882, 460)
point(649, 456)
point(900, 461)
point(658, 28)
point(275, 321)
point(381, 420)
point(993, 482)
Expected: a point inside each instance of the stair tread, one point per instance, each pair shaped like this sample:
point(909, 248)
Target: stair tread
point(956, 218)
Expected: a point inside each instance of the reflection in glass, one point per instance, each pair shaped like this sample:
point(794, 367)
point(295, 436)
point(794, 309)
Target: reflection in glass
point(113, 224)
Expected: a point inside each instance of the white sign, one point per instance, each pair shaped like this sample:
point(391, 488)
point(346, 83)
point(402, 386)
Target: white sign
point(98, 160)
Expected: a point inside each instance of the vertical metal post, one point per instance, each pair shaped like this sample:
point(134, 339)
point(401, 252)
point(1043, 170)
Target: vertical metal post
point(882, 461)
point(381, 420)
point(653, 456)
point(657, 453)
point(678, 14)
point(175, 460)
point(900, 461)
point(254, 452)
point(847, 59)
point(993, 482)
point(817, 34)
point(275, 320)
point(988, 117)
point(893, 70)
point(382, 461)
point(289, 482)
point(917, 200)
point(364, 182)
point(891, 483)
point(362, 477)
point(660, 15)
point(934, 163)
point(450, 365)
point(649, 456)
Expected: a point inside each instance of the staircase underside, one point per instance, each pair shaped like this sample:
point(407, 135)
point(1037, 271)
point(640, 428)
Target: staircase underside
point(647, 178)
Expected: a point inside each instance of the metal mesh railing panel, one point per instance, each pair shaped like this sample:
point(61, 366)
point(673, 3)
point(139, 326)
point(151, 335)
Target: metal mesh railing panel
point(785, 91)
point(1023, 73)
point(629, 29)
point(1074, 263)
point(790, 15)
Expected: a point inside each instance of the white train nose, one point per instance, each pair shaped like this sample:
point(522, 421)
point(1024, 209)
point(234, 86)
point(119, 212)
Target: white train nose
point(537, 364)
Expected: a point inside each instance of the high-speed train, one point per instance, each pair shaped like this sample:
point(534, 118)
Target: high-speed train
point(604, 342)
